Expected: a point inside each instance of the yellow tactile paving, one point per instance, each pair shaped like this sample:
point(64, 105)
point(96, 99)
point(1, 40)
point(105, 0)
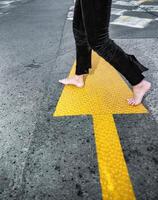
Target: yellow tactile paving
point(112, 168)
point(104, 94)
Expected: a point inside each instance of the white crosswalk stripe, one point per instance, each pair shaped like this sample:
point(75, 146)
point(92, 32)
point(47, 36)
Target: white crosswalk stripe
point(130, 21)
point(150, 8)
point(126, 3)
point(117, 11)
point(125, 19)
point(6, 6)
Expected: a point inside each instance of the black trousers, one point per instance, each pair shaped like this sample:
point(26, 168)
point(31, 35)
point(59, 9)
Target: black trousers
point(91, 31)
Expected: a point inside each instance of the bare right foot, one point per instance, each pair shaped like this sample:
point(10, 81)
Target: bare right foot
point(138, 92)
point(76, 80)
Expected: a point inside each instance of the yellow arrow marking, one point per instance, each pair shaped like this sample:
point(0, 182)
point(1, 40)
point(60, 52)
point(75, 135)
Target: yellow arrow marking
point(104, 94)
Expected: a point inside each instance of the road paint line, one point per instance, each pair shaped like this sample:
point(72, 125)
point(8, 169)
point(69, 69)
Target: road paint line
point(125, 3)
point(131, 3)
point(72, 8)
point(70, 15)
point(150, 8)
point(135, 22)
point(143, 1)
point(6, 2)
point(116, 11)
point(104, 94)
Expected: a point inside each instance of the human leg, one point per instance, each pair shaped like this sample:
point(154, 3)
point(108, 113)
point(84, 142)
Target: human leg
point(83, 49)
point(96, 16)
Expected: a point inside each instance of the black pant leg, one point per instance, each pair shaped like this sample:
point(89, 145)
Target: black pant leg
point(96, 16)
point(83, 50)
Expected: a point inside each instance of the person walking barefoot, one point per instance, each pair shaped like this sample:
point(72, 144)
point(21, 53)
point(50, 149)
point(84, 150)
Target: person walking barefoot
point(91, 31)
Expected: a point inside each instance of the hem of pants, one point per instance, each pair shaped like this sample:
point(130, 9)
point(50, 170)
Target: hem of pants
point(133, 83)
point(82, 72)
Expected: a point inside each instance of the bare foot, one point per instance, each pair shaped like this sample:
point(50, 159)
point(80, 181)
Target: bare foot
point(139, 91)
point(76, 80)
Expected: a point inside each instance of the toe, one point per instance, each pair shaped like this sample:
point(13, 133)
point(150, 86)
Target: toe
point(133, 102)
point(130, 101)
point(62, 81)
point(137, 102)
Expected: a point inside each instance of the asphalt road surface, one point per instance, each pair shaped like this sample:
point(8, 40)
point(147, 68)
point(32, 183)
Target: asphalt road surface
point(45, 157)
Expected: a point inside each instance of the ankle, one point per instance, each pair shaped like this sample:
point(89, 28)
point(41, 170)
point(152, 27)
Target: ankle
point(79, 77)
point(142, 83)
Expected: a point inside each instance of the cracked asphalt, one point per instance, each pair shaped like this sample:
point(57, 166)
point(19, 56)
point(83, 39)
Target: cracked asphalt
point(45, 157)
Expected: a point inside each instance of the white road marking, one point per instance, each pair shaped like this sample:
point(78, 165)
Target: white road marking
point(130, 21)
point(2, 14)
point(116, 11)
point(131, 3)
point(145, 10)
point(71, 8)
point(70, 15)
point(142, 1)
point(6, 6)
point(150, 8)
point(125, 3)
point(6, 2)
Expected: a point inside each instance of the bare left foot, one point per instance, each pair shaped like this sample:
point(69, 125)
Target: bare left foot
point(76, 80)
point(139, 91)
